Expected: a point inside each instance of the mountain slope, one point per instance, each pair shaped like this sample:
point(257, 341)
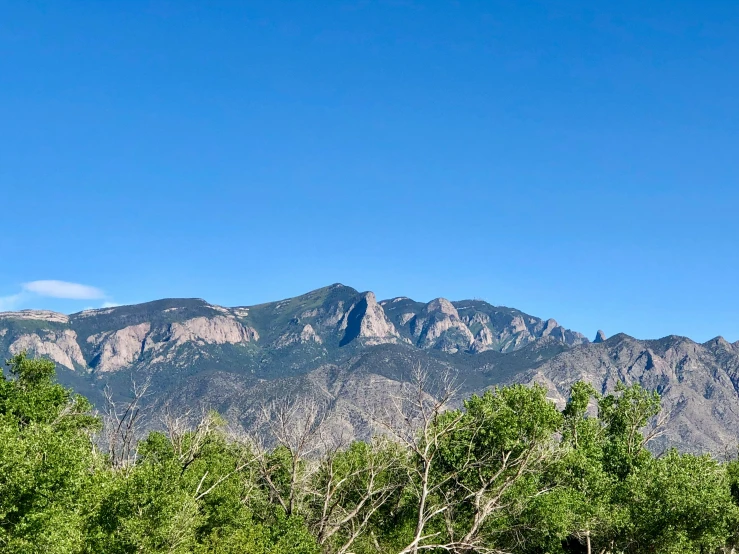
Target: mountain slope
point(351, 352)
point(699, 383)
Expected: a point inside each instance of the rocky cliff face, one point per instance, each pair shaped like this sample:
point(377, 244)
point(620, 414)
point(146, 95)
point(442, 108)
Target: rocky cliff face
point(350, 350)
point(365, 320)
point(698, 383)
point(118, 349)
point(471, 326)
point(60, 346)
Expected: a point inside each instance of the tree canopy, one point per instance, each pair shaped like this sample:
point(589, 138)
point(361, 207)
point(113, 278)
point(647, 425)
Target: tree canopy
point(504, 472)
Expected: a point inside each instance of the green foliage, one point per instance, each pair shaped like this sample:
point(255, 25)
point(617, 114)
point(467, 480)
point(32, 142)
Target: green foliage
point(506, 472)
point(681, 503)
point(624, 415)
point(495, 455)
point(45, 460)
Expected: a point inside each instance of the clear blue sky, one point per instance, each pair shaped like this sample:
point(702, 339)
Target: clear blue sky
point(576, 160)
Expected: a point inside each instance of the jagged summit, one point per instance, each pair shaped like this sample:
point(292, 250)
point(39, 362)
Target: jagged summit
point(180, 332)
point(719, 342)
point(350, 351)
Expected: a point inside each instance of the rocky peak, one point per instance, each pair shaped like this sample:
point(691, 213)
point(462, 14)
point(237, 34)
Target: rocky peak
point(442, 305)
point(721, 343)
point(367, 320)
point(549, 326)
point(599, 337)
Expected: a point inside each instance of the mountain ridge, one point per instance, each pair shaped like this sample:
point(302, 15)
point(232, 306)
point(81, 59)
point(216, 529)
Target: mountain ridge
point(351, 351)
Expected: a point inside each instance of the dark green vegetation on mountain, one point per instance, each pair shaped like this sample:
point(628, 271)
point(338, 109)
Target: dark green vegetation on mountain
point(349, 352)
point(506, 472)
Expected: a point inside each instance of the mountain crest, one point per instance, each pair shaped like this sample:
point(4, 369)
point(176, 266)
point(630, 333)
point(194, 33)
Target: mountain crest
point(340, 344)
point(367, 320)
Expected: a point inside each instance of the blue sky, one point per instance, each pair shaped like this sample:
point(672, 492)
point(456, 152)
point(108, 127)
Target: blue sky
point(576, 160)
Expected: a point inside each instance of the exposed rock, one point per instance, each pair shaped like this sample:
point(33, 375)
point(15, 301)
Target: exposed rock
point(405, 318)
point(417, 326)
point(60, 346)
point(443, 328)
point(477, 318)
point(442, 305)
point(334, 316)
point(518, 325)
point(119, 349)
point(698, 383)
point(95, 312)
point(550, 325)
point(212, 330)
point(177, 342)
point(367, 320)
point(39, 315)
point(599, 337)
point(439, 325)
point(307, 334)
point(483, 340)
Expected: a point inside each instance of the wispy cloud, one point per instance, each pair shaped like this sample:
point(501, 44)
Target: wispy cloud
point(54, 289)
point(64, 289)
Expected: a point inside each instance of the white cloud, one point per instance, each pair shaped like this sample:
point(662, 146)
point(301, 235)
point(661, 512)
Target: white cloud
point(53, 289)
point(63, 289)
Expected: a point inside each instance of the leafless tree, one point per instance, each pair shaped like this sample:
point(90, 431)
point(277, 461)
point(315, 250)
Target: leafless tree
point(412, 418)
point(294, 425)
point(415, 419)
point(188, 434)
point(337, 502)
point(347, 498)
point(123, 423)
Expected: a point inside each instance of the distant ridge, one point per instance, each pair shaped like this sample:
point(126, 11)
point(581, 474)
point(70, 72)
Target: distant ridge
point(350, 351)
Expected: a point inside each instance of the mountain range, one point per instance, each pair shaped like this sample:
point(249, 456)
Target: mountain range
point(351, 353)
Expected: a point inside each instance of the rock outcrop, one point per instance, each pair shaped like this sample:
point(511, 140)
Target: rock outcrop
point(212, 330)
point(698, 383)
point(443, 306)
point(483, 340)
point(366, 320)
point(306, 335)
point(349, 350)
point(38, 315)
point(118, 349)
point(443, 329)
point(60, 346)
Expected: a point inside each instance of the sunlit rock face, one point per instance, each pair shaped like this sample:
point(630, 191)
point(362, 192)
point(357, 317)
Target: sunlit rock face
point(351, 351)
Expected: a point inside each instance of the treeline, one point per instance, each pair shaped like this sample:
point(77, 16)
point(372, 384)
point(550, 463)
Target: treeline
point(507, 473)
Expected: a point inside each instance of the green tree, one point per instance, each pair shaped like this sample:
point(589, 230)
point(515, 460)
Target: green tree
point(486, 463)
point(46, 460)
point(193, 490)
point(680, 503)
